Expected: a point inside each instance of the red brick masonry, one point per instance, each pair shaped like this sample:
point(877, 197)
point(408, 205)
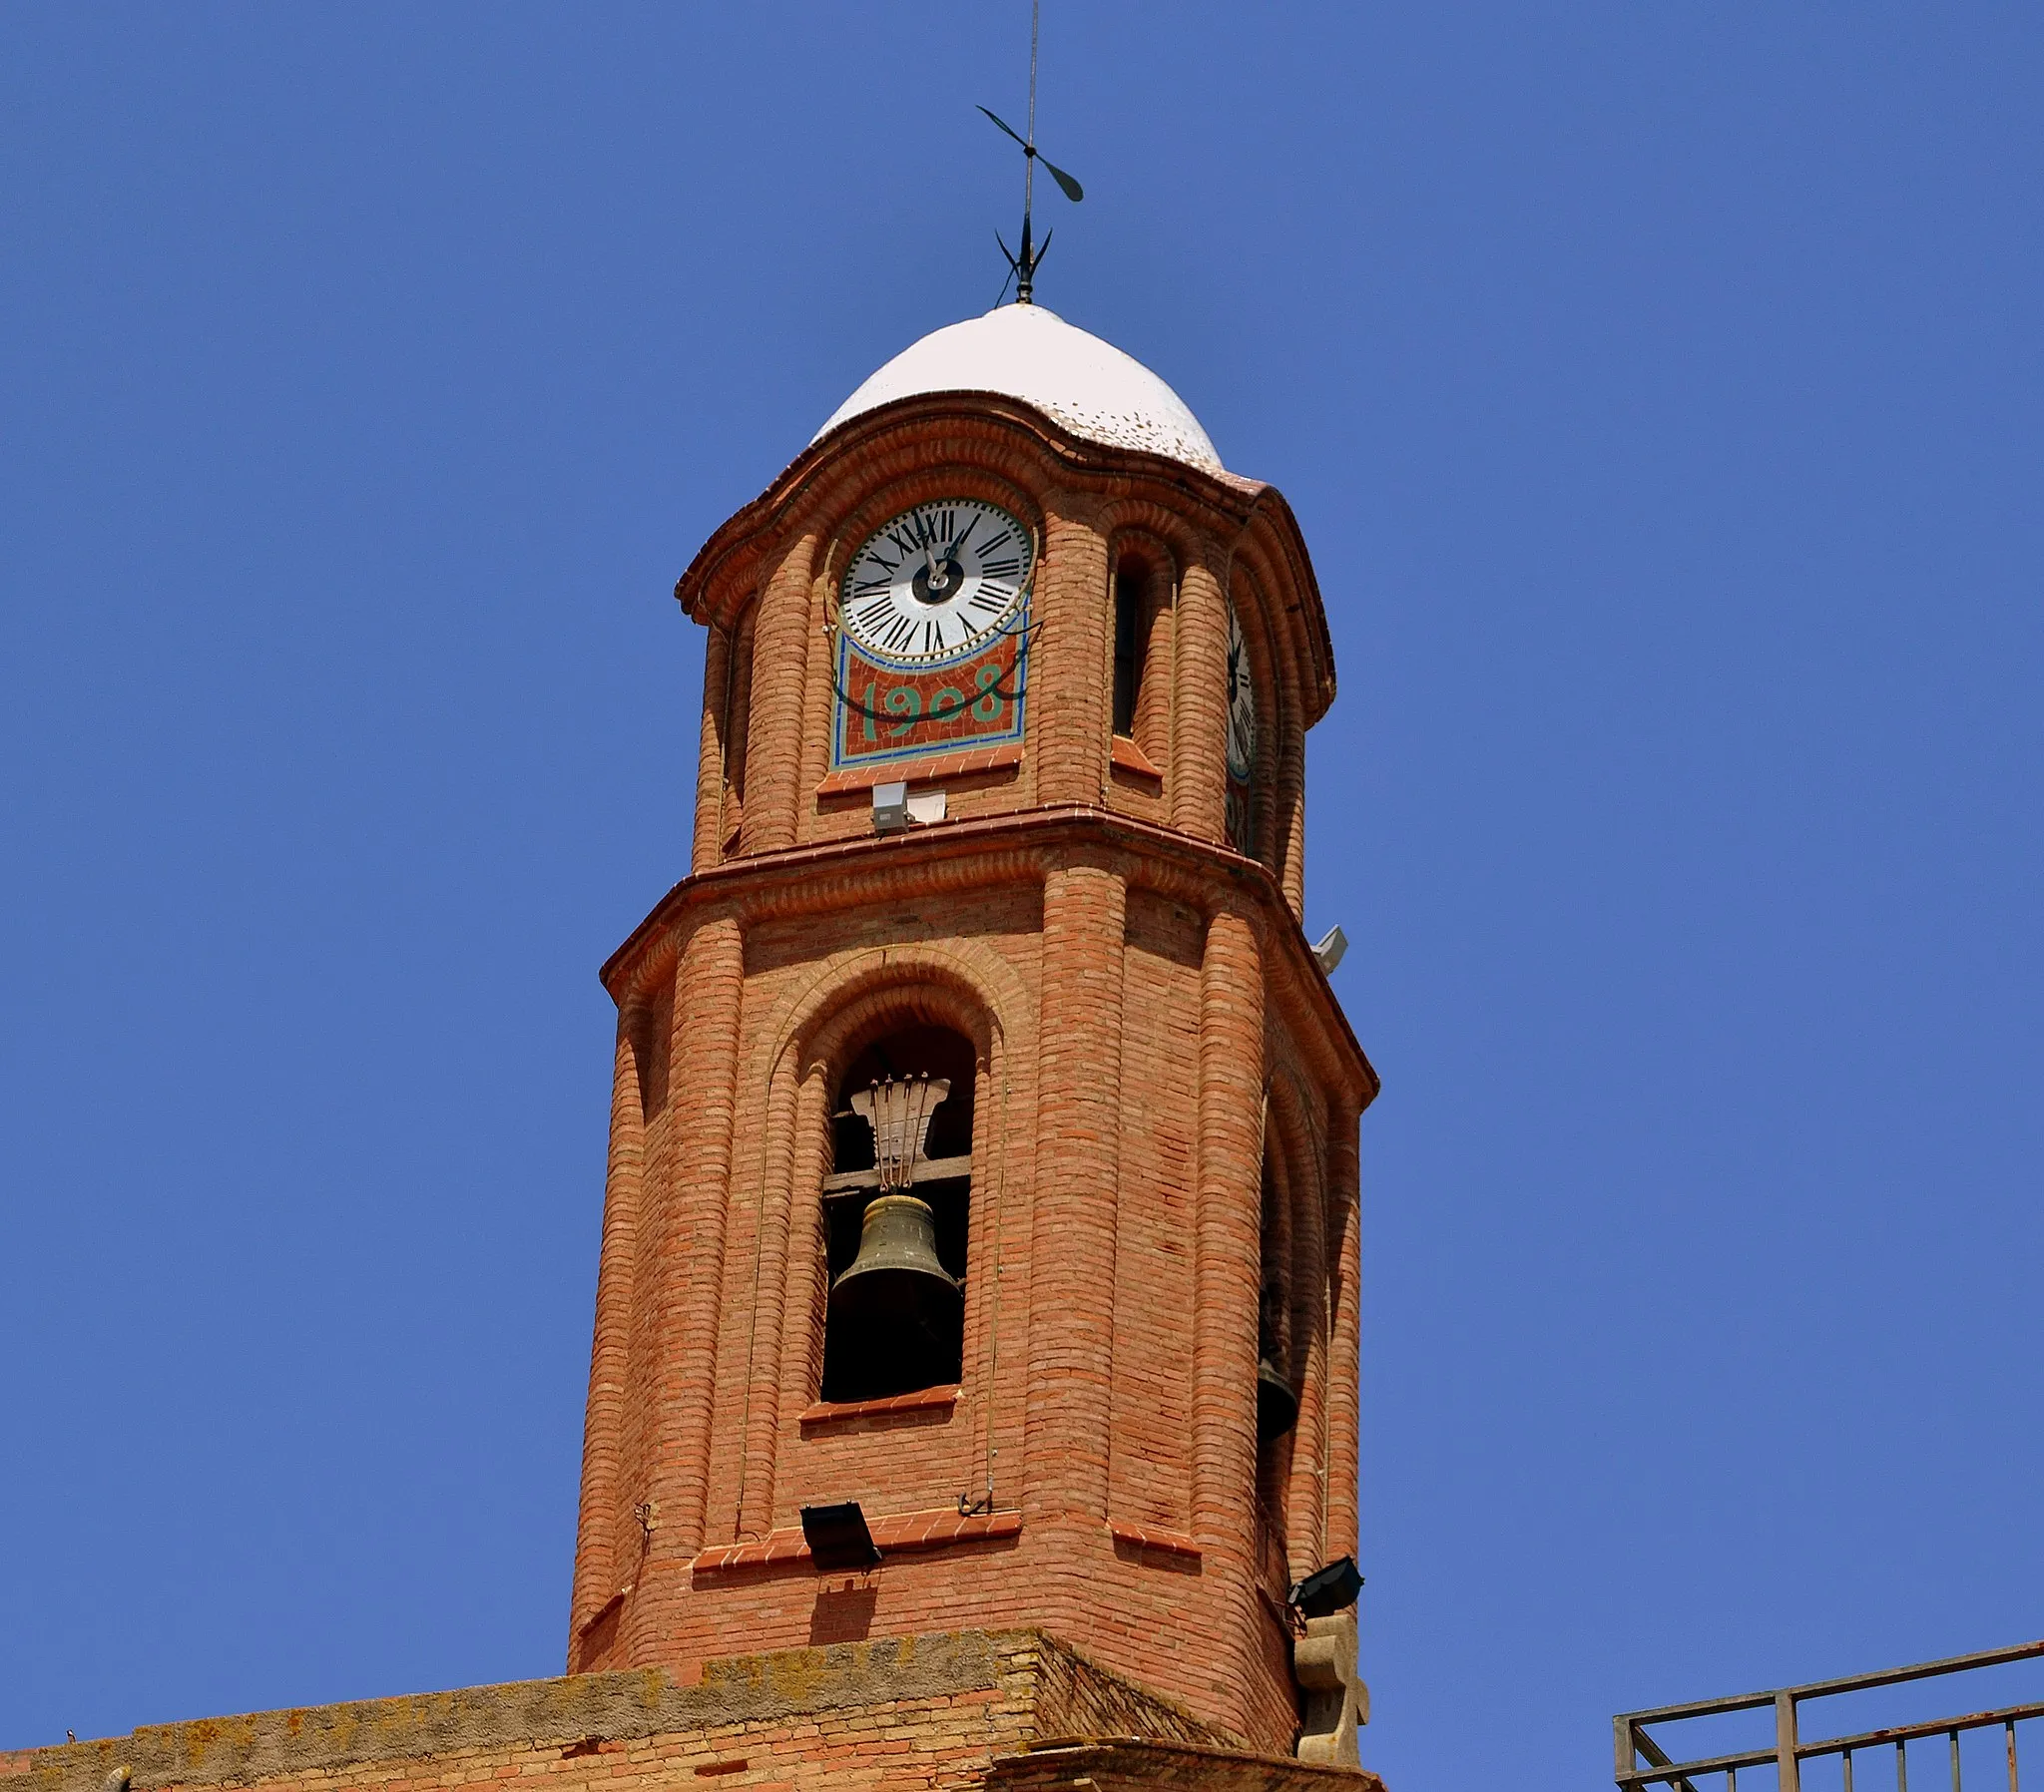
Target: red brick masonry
point(961, 1710)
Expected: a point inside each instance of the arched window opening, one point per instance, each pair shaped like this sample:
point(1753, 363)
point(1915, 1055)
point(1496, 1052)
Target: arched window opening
point(738, 722)
point(1277, 1381)
point(896, 1208)
point(1244, 749)
point(1131, 588)
point(648, 1024)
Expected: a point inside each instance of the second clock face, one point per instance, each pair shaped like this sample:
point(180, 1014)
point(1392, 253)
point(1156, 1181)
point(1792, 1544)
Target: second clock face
point(937, 581)
point(1242, 705)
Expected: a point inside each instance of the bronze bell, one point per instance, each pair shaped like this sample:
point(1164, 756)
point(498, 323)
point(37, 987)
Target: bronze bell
point(897, 1305)
point(1276, 1403)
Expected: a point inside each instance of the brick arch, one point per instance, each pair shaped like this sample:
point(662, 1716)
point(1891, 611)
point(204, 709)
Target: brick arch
point(1273, 625)
point(1174, 529)
point(970, 981)
point(658, 958)
point(962, 984)
point(1292, 1136)
point(877, 1011)
point(902, 454)
point(966, 475)
point(1139, 538)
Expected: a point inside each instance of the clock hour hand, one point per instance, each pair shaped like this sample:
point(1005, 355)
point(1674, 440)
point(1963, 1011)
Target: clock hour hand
point(941, 579)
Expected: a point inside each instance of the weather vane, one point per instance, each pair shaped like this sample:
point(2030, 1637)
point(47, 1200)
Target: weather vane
point(1022, 267)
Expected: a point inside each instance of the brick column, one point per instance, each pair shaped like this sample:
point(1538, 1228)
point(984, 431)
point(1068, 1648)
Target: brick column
point(596, 1576)
point(1198, 753)
point(715, 730)
point(1070, 670)
point(795, 1122)
point(1345, 1349)
point(688, 1263)
point(1306, 1506)
point(1072, 1229)
point(820, 687)
point(1290, 806)
point(774, 737)
point(1226, 1280)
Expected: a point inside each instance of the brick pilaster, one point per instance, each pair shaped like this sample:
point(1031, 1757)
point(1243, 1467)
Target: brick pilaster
point(779, 678)
point(1070, 688)
point(1344, 1295)
point(1224, 1334)
point(1072, 1251)
point(1290, 839)
point(706, 849)
point(1198, 753)
point(795, 1126)
point(1305, 1504)
point(596, 1533)
point(692, 1209)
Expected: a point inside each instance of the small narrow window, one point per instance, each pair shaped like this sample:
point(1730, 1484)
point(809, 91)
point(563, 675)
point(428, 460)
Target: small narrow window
point(1127, 647)
point(736, 726)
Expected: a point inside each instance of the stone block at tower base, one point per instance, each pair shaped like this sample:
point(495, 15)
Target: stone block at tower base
point(1013, 1709)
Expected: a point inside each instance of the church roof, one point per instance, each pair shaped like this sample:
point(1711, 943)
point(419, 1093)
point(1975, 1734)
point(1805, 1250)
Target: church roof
point(1023, 352)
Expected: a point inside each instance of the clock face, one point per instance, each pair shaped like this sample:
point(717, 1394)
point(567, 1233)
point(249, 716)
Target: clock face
point(1242, 705)
point(937, 581)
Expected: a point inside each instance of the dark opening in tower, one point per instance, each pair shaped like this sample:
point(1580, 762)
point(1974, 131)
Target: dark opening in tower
point(1131, 580)
point(895, 1209)
point(1277, 1369)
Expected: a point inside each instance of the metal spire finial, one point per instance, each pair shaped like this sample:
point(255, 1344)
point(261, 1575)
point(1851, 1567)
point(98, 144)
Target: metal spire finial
point(1022, 267)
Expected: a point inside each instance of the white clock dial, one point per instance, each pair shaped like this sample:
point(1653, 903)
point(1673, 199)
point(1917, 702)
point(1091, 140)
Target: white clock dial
point(937, 581)
point(1242, 705)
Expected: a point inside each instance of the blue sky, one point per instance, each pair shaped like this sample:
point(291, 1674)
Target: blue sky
point(1658, 386)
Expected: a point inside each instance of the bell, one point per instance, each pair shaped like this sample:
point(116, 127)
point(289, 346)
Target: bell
point(1276, 1403)
point(897, 1306)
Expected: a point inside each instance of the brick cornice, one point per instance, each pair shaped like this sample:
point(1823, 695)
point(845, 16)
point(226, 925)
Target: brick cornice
point(1011, 848)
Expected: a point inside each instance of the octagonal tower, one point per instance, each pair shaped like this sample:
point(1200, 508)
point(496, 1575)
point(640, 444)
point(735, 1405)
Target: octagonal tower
point(1000, 795)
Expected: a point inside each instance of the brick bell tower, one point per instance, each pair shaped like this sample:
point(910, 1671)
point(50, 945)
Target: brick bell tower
point(983, 1143)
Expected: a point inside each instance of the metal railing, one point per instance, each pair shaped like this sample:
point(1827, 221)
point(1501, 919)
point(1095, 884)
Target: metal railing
point(1643, 1764)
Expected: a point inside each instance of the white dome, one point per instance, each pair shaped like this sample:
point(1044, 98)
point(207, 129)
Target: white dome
point(1023, 352)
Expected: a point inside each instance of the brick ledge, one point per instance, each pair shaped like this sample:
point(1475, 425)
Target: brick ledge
point(923, 771)
point(1169, 1543)
point(906, 1531)
point(826, 1411)
point(1126, 755)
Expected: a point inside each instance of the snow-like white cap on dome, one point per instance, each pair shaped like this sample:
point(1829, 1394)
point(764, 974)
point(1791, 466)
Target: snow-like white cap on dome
point(1023, 352)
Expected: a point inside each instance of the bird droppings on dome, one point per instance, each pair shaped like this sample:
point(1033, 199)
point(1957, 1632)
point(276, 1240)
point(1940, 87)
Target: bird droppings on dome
point(1024, 351)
